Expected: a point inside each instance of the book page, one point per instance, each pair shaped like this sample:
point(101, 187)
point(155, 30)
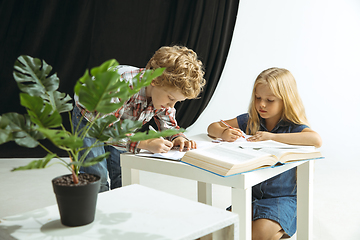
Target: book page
point(278, 152)
point(271, 144)
point(174, 154)
point(171, 155)
point(230, 153)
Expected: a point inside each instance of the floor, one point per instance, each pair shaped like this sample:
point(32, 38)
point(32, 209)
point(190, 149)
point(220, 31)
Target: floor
point(335, 214)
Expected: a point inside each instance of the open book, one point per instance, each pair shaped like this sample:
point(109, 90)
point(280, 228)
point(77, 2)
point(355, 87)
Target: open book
point(174, 153)
point(227, 159)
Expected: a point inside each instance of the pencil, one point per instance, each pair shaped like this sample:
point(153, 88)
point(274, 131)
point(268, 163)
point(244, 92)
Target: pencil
point(226, 124)
point(153, 129)
point(173, 148)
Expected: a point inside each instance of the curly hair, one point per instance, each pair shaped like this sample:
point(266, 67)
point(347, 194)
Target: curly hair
point(183, 70)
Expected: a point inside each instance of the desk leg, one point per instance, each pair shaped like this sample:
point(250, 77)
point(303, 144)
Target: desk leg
point(228, 233)
point(241, 204)
point(305, 178)
point(204, 193)
point(129, 176)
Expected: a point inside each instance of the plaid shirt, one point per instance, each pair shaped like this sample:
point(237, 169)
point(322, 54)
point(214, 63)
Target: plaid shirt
point(137, 109)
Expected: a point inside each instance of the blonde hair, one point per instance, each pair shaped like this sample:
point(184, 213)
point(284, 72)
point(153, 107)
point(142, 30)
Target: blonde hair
point(283, 85)
point(183, 70)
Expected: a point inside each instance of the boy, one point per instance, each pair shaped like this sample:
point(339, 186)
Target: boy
point(182, 79)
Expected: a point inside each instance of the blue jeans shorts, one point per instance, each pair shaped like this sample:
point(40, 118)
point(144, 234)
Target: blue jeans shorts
point(276, 199)
point(108, 168)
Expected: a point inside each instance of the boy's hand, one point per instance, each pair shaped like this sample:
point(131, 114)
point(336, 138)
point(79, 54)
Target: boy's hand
point(260, 136)
point(156, 145)
point(183, 143)
point(231, 134)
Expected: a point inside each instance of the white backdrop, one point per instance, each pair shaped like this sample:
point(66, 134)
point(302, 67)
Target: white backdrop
point(319, 42)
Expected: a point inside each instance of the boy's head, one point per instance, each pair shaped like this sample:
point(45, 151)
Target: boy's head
point(184, 70)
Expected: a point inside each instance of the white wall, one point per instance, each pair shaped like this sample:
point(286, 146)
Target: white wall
point(319, 42)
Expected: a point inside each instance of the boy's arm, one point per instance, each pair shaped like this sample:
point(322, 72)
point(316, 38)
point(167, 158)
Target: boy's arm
point(165, 119)
point(157, 145)
point(125, 145)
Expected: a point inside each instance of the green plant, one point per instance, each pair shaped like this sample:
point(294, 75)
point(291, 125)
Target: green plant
point(44, 104)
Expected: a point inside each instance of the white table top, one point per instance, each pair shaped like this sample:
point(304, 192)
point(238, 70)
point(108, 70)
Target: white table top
point(131, 212)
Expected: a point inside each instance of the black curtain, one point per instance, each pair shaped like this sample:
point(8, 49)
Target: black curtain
point(74, 35)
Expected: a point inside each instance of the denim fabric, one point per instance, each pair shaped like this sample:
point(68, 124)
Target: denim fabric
point(110, 165)
point(276, 198)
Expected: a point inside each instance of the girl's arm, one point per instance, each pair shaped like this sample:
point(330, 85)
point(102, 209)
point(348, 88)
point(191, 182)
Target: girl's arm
point(305, 137)
point(220, 130)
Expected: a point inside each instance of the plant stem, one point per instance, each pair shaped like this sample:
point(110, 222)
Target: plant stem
point(88, 127)
point(45, 148)
point(74, 176)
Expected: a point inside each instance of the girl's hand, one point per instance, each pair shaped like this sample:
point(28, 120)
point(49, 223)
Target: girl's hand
point(231, 134)
point(183, 143)
point(260, 136)
point(156, 145)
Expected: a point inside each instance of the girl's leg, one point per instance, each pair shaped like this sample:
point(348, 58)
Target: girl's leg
point(266, 229)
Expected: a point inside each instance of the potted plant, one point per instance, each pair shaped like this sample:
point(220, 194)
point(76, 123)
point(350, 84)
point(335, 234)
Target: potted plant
point(44, 105)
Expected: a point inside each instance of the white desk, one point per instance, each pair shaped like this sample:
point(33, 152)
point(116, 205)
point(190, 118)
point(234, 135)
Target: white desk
point(133, 213)
point(241, 187)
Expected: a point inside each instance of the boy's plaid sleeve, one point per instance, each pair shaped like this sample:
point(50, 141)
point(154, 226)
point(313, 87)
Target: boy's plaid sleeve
point(126, 145)
point(165, 119)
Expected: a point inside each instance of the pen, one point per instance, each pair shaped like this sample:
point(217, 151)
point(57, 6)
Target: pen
point(173, 148)
point(226, 124)
point(153, 129)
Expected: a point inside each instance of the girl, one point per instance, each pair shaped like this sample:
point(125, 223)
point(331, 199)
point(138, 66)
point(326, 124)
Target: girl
point(275, 113)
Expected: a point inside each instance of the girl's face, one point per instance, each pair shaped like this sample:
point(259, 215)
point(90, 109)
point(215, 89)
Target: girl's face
point(164, 97)
point(267, 104)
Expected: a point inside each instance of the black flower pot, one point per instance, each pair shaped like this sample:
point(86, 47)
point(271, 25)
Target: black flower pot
point(77, 203)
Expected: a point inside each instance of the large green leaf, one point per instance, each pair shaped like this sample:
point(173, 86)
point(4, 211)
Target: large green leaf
point(40, 112)
point(5, 135)
point(96, 95)
point(122, 130)
point(108, 65)
point(100, 128)
point(31, 75)
point(98, 92)
point(5, 131)
point(140, 136)
point(91, 161)
point(23, 132)
point(81, 82)
point(62, 138)
point(97, 89)
point(36, 164)
point(61, 101)
point(146, 79)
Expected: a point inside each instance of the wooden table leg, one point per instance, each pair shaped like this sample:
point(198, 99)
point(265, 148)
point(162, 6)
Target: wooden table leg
point(305, 180)
point(241, 204)
point(204, 193)
point(228, 233)
point(129, 176)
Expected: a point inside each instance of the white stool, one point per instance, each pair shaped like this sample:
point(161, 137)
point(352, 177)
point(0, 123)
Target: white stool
point(132, 213)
